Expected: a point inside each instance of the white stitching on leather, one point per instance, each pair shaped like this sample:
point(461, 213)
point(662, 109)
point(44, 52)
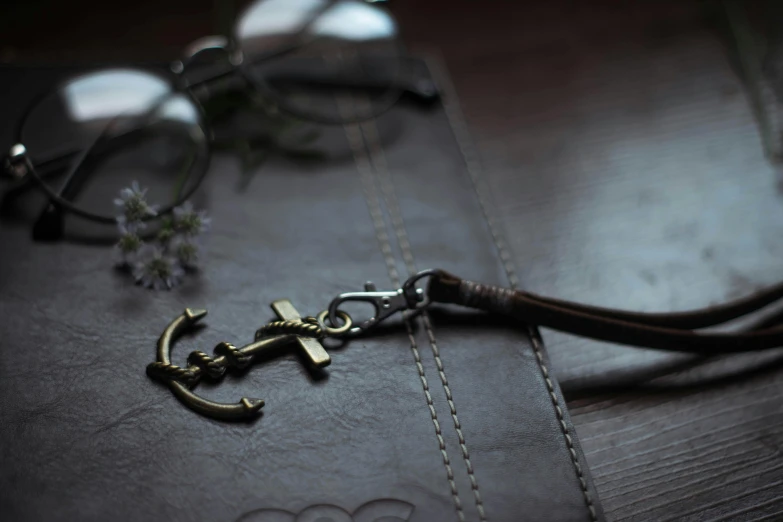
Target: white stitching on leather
point(462, 136)
point(365, 170)
point(390, 196)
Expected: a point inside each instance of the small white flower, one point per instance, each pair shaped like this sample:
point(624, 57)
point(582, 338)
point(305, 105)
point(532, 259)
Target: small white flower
point(130, 226)
point(157, 270)
point(129, 246)
point(187, 250)
point(166, 233)
point(134, 207)
point(191, 222)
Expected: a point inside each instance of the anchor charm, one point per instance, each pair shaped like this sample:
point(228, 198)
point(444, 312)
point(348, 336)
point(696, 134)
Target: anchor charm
point(306, 332)
point(289, 329)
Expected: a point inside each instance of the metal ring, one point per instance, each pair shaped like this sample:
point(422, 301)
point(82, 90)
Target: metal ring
point(410, 291)
point(332, 331)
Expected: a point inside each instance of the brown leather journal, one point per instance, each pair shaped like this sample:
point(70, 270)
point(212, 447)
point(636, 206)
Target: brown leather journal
point(452, 416)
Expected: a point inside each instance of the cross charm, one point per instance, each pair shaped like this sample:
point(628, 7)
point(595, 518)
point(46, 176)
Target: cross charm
point(318, 357)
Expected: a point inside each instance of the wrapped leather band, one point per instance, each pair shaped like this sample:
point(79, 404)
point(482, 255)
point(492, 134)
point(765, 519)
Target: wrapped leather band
point(661, 331)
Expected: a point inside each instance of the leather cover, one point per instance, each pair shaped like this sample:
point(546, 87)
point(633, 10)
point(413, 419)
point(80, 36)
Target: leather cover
point(457, 417)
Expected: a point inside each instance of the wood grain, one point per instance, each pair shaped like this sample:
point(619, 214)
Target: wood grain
point(628, 171)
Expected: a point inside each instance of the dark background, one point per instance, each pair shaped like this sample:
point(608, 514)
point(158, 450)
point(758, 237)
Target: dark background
point(628, 169)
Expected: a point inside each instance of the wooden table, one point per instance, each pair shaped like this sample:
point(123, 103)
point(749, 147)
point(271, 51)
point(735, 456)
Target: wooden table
point(628, 171)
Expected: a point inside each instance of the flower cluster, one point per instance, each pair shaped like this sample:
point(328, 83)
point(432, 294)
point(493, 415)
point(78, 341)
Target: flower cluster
point(177, 243)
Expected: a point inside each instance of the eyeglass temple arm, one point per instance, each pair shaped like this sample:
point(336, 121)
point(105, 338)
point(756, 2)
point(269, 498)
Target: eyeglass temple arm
point(50, 223)
point(419, 88)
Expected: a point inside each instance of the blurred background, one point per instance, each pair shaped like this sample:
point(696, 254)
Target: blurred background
point(504, 56)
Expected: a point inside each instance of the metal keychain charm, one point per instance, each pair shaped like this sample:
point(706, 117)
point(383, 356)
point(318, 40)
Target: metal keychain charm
point(290, 328)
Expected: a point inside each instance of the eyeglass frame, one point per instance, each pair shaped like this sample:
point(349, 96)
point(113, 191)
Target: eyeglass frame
point(20, 166)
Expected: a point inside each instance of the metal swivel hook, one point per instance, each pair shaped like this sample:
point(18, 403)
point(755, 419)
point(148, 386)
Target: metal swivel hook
point(385, 303)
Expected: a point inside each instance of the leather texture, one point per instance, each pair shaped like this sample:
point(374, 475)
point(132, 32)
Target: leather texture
point(456, 416)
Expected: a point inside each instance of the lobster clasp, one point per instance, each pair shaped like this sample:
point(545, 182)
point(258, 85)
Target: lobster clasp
point(386, 303)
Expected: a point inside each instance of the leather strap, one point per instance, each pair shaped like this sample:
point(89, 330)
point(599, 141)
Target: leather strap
point(661, 331)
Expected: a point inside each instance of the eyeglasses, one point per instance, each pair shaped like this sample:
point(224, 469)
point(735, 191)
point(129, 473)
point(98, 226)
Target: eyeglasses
point(85, 140)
